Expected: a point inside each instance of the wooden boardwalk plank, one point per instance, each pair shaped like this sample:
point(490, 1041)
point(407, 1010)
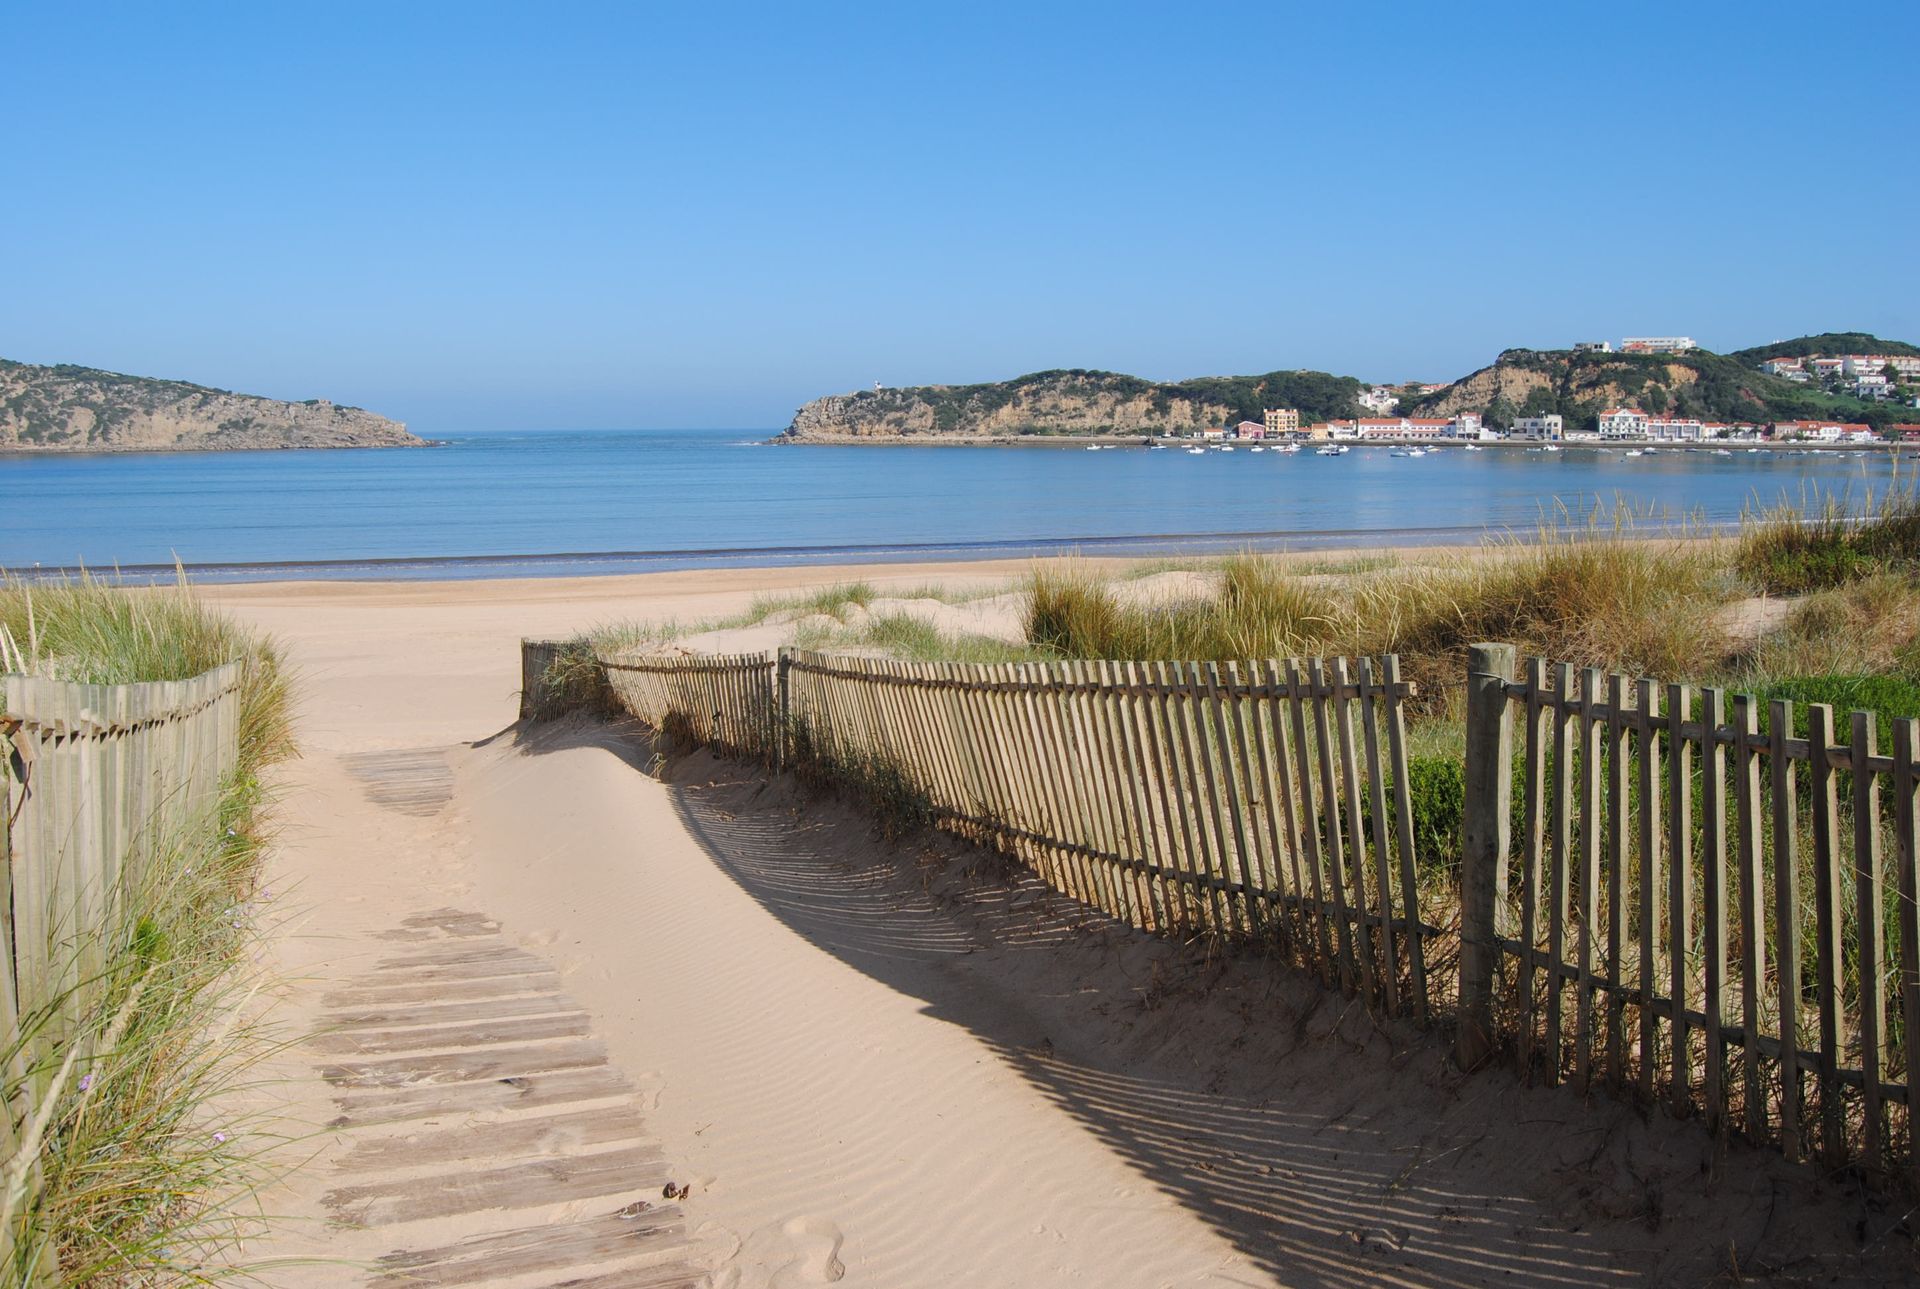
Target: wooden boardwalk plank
point(465, 1067)
point(510, 1029)
point(537, 1248)
point(528, 1184)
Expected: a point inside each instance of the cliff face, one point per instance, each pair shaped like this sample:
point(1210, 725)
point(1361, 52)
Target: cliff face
point(1538, 377)
point(1068, 402)
point(1712, 387)
point(78, 409)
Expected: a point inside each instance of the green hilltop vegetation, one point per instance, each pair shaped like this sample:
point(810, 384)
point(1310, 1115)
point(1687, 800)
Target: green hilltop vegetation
point(1829, 344)
point(1073, 402)
point(72, 408)
point(1699, 383)
point(1521, 382)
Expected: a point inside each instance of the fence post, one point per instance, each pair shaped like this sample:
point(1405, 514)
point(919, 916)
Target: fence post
point(782, 712)
point(1485, 826)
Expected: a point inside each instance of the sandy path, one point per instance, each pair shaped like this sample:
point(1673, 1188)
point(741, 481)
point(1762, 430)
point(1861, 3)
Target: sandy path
point(887, 1072)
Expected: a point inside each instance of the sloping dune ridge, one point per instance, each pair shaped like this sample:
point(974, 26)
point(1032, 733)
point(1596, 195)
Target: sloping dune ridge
point(549, 980)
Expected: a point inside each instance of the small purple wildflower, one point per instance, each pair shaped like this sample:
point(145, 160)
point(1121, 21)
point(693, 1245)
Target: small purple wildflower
point(86, 1081)
point(219, 1138)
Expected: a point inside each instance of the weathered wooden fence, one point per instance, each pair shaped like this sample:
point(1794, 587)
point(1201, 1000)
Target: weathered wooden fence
point(1690, 908)
point(1230, 798)
point(1696, 907)
point(723, 701)
point(98, 780)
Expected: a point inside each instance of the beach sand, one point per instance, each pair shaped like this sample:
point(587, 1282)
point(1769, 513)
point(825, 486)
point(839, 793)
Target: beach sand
point(872, 1064)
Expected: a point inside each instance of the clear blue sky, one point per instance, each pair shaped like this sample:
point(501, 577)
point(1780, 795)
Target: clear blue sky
point(582, 215)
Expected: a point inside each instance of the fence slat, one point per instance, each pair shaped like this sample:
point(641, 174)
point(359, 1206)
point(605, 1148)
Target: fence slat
point(1713, 905)
point(1679, 893)
point(1827, 904)
point(1619, 723)
point(1651, 885)
point(1786, 920)
point(1869, 931)
point(1753, 926)
point(1906, 831)
point(1533, 858)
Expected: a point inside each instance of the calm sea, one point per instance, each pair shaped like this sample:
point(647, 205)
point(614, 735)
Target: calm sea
point(551, 503)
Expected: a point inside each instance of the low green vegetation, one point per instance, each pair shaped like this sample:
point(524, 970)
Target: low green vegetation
point(1822, 544)
point(139, 1183)
point(1698, 383)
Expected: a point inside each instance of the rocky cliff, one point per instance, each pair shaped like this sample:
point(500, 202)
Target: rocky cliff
point(1068, 402)
point(1578, 386)
point(79, 409)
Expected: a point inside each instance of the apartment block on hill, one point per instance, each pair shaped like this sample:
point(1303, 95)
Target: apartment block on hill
point(1282, 420)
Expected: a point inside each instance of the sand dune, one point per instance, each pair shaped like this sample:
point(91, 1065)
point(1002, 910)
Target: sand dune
point(869, 1065)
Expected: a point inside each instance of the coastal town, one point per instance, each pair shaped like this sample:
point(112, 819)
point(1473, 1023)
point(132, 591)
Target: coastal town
point(1617, 425)
point(1869, 377)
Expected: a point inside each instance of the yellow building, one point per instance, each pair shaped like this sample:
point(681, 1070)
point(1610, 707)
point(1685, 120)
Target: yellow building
point(1282, 420)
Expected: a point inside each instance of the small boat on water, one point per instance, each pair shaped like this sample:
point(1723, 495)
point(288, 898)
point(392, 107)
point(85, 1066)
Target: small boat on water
point(1408, 452)
point(1256, 448)
point(1636, 452)
point(1550, 447)
point(1286, 449)
point(1196, 452)
point(1331, 450)
point(1226, 447)
point(1470, 447)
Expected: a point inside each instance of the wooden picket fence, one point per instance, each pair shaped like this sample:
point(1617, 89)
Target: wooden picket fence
point(98, 779)
point(1185, 798)
point(1680, 907)
point(722, 701)
point(1697, 908)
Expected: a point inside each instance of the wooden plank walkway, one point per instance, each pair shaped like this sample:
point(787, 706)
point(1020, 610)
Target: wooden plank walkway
point(477, 1101)
point(413, 781)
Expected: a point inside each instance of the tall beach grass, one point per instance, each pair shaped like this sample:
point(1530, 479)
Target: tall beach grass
point(131, 1181)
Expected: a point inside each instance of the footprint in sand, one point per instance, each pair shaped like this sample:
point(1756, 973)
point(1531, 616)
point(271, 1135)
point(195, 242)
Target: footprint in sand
point(799, 1251)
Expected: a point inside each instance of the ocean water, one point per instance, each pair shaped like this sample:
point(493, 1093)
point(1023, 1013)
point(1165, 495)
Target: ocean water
point(551, 503)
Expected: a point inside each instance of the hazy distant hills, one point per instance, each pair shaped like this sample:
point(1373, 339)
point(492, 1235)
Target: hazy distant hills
point(79, 409)
point(1577, 385)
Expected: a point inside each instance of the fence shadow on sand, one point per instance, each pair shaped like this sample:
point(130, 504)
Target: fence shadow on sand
point(1329, 1150)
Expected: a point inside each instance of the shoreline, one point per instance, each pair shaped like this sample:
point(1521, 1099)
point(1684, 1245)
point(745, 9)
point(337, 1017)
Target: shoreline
point(1307, 445)
point(603, 565)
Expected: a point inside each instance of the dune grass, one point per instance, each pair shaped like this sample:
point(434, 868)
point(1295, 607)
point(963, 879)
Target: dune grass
point(136, 1183)
point(1594, 595)
point(1824, 541)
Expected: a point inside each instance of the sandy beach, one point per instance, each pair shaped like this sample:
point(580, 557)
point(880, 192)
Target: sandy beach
point(868, 1064)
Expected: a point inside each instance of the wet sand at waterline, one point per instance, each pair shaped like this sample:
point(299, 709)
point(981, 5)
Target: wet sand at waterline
point(885, 1066)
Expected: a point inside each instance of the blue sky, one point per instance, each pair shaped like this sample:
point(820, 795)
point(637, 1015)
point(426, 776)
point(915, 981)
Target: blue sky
point(581, 215)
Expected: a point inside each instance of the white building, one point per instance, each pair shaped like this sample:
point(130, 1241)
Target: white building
point(1871, 387)
point(1592, 346)
point(1787, 368)
point(1623, 423)
point(1378, 400)
point(1540, 427)
point(1467, 425)
point(1657, 344)
point(1675, 429)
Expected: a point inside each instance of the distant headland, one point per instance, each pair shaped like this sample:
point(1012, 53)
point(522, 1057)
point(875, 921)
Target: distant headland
point(80, 409)
point(1849, 377)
